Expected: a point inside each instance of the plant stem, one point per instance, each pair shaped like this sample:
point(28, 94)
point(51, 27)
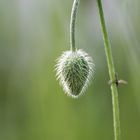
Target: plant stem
point(72, 24)
point(115, 102)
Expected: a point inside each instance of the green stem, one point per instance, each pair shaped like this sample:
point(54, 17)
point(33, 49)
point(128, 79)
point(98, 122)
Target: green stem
point(115, 102)
point(72, 24)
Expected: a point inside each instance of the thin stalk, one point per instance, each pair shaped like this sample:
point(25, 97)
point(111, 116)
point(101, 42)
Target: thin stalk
point(115, 102)
point(72, 24)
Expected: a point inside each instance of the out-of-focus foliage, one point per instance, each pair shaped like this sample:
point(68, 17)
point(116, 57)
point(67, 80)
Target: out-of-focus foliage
point(33, 33)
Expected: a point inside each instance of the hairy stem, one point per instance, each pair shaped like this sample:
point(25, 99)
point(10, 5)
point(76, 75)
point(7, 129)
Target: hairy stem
point(72, 24)
point(115, 102)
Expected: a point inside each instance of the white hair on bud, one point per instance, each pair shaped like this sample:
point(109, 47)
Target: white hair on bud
point(74, 71)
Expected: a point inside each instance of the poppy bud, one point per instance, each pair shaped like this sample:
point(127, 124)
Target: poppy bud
point(74, 71)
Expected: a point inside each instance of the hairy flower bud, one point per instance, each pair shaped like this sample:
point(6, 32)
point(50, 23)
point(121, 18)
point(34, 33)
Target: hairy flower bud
point(74, 71)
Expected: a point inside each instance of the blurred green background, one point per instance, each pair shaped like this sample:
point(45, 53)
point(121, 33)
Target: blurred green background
point(33, 34)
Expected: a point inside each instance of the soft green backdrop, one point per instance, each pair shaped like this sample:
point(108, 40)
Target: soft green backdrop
point(33, 33)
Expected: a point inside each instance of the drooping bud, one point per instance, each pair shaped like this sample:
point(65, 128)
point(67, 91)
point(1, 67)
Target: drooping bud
point(74, 71)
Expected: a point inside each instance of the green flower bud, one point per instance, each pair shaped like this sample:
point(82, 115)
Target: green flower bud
point(74, 71)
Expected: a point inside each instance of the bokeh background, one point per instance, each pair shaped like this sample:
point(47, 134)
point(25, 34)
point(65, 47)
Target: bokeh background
point(33, 34)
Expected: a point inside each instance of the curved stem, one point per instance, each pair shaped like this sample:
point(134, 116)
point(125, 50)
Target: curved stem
point(72, 24)
point(115, 102)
